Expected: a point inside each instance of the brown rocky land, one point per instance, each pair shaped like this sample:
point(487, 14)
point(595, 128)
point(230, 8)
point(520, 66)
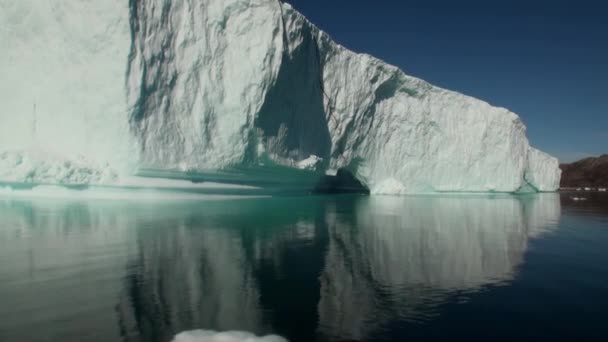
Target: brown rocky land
point(588, 172)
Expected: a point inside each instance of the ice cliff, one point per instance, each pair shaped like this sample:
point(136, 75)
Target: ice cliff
point(198, 85)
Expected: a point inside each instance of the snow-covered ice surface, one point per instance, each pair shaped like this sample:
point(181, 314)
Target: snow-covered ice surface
point(230, 336)
point(199, 85)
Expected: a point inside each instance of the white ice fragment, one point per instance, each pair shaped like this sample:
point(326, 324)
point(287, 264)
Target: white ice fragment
point(230, 336)
point(41, 167)
point(309, 163)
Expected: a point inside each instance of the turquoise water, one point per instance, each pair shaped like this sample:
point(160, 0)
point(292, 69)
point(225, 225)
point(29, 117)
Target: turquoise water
point(334, 268)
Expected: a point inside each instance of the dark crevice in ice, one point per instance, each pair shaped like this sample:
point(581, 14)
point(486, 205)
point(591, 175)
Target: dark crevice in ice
point(157, 76)
point(292, 117)
point(342, 183)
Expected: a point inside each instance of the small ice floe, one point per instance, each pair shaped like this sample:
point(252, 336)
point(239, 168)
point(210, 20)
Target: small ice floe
point(309, 163)
point(228, 336)
point(579, 198)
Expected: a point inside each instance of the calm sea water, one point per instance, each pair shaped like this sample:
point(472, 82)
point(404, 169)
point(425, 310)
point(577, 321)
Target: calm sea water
point(341, 268)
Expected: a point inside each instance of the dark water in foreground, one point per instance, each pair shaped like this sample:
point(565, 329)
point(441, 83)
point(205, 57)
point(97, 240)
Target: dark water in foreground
point(341, 268)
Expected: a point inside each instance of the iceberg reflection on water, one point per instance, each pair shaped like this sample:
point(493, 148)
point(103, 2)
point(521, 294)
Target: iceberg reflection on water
point(403, 257)
point(339, 267)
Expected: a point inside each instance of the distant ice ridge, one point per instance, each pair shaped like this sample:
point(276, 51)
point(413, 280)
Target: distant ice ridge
point(231, 336)
point(210, 84)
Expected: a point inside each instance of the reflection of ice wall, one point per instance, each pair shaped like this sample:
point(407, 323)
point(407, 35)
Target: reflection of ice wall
point(198, 266)
point(209, 84)
point(198, 278)
point(61, 262)
point(409, 254)
point(541, 213)
point(182, 273)
point(158, 269)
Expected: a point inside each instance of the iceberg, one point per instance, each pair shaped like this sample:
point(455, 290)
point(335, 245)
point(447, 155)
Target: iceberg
point(196, 86)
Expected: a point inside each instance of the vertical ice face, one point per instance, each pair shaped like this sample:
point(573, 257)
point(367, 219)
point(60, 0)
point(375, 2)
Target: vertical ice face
point(198, 85)
point(62, 78)
point(543, 171)
point(400, 134)
point(198, 73)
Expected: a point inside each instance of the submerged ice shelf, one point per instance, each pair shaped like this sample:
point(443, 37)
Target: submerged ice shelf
point(102, 90)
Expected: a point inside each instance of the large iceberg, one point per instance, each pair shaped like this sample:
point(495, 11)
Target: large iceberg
point(204, 85)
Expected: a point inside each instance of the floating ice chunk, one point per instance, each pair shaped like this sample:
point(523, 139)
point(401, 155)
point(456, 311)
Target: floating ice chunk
point(229, 336)
point(310, 163)
point(331, 172)
point(42, 167)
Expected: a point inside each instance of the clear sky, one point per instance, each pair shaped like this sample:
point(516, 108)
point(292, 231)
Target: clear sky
point(546, 60)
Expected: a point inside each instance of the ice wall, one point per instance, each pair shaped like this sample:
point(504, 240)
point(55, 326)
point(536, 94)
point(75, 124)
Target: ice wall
point(197, 85)
point(400, 134)
point(543, 171)
point(198, 72)
point(62, 80)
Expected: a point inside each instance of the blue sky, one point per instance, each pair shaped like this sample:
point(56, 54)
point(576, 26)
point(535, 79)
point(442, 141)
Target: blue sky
point(545, 60)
